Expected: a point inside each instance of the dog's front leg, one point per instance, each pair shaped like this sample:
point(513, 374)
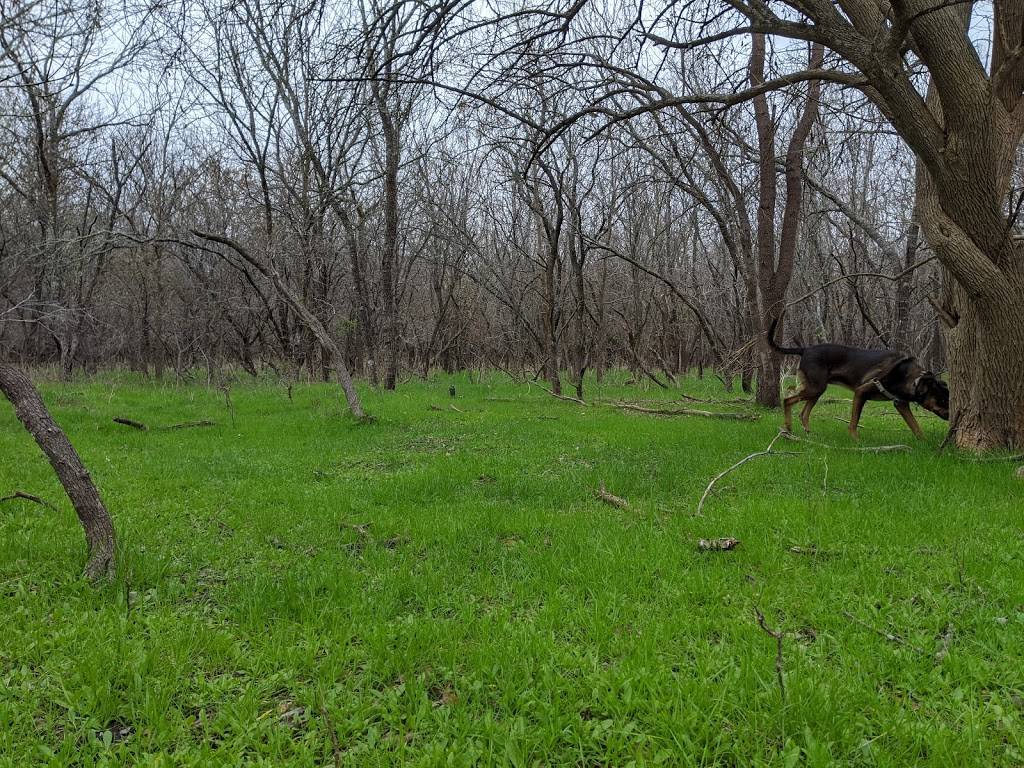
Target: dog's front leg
point(908, 416)
point(859, 397)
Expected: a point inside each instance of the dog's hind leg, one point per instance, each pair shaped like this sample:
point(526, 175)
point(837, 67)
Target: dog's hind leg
point(908, 416)
point(787, 408)
point(805, 414)
point(789, 402)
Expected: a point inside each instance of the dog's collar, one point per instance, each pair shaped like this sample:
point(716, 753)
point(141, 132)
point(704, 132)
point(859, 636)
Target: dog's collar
point(890, 395)
point(885, 391)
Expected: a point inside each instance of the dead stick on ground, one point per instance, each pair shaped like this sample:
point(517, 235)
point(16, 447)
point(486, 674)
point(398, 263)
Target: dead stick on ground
point(29, 497)
point(456, 409)
point(766, 452)
point(183, 425)
point(858, 449)
point(131, 423)
point(778, 635)
point(335, 744)
point(728, 401)
point(881, 633)
point(611, 498)
point(688, 412)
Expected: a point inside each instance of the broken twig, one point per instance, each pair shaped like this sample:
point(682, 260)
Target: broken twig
point(131, 423)
point(766, 452)
point(611, 498)
point(29, 497)
point(778, 635)
point(883, 634)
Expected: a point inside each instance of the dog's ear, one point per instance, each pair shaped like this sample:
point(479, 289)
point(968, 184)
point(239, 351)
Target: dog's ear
point(929, 383)
point(926, 383)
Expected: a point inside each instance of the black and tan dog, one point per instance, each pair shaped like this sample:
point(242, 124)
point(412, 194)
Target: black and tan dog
point(872, 374)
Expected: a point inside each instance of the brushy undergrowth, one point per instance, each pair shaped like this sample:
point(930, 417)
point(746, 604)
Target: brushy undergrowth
point(443, 587)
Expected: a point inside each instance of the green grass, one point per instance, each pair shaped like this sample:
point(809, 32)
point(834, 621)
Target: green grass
point(495, 612)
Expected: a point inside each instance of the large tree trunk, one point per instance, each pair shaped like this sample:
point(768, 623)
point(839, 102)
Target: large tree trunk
point(985, 349)
point(961, 207)
point(32, 412)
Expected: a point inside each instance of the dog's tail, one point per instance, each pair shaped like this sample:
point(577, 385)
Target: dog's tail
point(772, 343)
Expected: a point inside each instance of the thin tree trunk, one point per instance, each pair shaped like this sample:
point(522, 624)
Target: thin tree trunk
point(904, 289)
point(32, 413)
point(389, 258)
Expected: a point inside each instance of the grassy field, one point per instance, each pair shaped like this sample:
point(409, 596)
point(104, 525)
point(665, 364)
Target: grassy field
point(443, 587)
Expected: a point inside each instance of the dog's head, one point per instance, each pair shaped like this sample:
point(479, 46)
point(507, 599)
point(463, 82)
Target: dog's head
point(933, 394)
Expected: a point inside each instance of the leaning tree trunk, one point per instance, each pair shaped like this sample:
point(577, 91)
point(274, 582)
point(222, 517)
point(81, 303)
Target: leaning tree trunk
point(32, 412)
point(311, 321)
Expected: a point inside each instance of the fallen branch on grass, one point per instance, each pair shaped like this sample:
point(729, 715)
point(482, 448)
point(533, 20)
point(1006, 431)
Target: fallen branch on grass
point(561, 397)
point(611, 498)
point(456, 409)
point(730, 401)
point(688, 412)
point(29, 497)
point(883, 634)
point(860, 449)
point(766, 452)
point(182, 425)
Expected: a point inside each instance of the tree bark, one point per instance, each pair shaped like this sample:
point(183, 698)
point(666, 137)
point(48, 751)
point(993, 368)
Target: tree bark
point(32, 413)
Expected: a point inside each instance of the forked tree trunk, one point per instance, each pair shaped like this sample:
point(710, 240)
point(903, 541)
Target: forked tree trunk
point(775, 261)
point(32, 413)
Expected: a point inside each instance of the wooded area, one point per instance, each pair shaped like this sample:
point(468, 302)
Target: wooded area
point(383, 189)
